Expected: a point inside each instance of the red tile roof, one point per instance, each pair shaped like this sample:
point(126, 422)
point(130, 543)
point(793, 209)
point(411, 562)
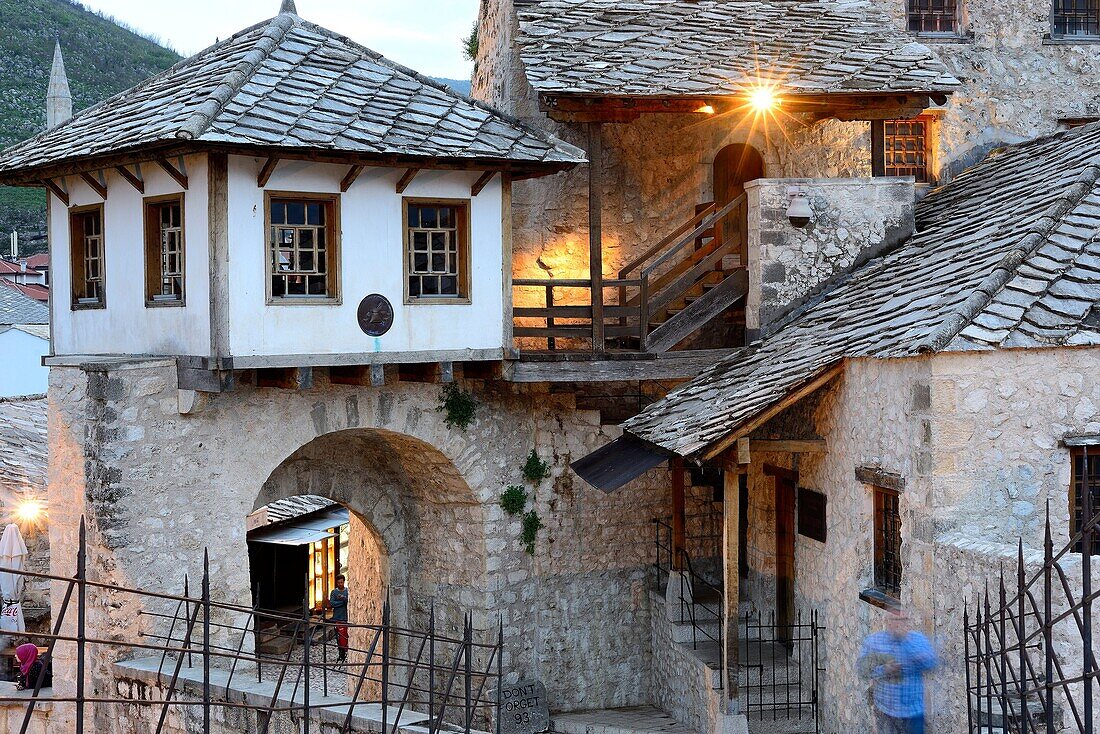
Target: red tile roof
point(34, 290)
point(39, 261)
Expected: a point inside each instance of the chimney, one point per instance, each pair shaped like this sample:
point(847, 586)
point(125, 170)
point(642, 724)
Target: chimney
point(59, 100)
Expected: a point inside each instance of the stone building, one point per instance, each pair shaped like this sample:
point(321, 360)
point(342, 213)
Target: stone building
point(268, 261)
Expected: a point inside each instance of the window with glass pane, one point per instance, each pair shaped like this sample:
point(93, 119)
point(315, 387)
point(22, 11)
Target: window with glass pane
point(164, 251)
point(887, 542)
point(435, 250)
point(87, 257)
point(302, 247)
point(932, 16)
point(1075, 18)
point(1085, 486)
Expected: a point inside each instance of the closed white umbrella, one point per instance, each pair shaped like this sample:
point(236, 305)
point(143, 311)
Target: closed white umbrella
point(13, 554)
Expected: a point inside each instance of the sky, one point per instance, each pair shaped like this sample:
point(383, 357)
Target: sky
point(425, 35)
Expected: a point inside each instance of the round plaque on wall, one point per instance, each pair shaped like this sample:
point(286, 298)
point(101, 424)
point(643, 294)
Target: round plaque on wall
point(375, 315)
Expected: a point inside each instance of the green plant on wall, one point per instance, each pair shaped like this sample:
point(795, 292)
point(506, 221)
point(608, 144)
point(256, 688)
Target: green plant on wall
point(535, 470)
point(513, 499)
point(459, 405)
point(470, 44)
point(532, 523)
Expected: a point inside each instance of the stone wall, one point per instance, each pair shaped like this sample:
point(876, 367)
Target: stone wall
point(682, 685)
point(159, 487)
point(853, 220)
point(975, 437)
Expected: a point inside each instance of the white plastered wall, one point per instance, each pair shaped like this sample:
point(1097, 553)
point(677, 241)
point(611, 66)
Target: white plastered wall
point(371, 255)
point(127, 325)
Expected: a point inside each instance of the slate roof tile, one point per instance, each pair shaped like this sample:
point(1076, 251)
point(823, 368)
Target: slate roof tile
point(964, 281)
point(715, 47)
point(260, 85)
point(19, 309)
point(23, 445)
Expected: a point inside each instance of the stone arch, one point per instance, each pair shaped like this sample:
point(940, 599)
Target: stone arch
point(411, 505)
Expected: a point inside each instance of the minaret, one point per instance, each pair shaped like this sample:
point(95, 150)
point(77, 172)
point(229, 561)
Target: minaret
point(59, 100)
point(288, 7)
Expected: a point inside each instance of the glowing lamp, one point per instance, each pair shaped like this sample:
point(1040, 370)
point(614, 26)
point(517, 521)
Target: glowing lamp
point(706, 109)
point(29, 512)
point(762, 99)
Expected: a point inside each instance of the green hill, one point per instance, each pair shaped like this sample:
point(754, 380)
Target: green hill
point(101, 57)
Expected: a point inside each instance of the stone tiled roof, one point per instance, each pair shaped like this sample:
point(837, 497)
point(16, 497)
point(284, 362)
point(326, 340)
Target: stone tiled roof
point(290, 84)
point(718, 47)
point(1012, 238)
point(23, 444)
point(16, 308)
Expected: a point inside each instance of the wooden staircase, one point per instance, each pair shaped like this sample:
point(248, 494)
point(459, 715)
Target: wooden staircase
point(689, 278)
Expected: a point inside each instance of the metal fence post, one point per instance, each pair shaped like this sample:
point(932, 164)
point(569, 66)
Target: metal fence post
point(206, 642)
point(1048, 624)
point(385, 663)
point(500, 672)
point(81, 620)
point(432, 728)
point(305, 665)
point(467, 651)
point(1087, 547)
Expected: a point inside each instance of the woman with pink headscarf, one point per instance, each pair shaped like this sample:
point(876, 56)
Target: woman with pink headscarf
point(30, 667)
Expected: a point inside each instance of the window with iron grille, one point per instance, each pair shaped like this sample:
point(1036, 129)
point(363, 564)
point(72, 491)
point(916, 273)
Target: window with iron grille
point(933, 16)
point(901, 148)
point(887, 542)
point(164, 251)
point(436, 250)
point(1075, 18)
point(87, 257)
point(1084, 478)
point(302, 247)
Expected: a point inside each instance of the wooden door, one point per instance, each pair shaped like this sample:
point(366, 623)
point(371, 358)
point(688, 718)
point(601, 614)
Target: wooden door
point(734, 166)
point(784, 555)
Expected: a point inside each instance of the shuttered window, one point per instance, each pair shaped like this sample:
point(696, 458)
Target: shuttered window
point(1085, 483)
point(933, 16)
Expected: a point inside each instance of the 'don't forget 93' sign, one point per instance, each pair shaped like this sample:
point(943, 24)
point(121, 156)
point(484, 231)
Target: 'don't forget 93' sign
point(524, 709)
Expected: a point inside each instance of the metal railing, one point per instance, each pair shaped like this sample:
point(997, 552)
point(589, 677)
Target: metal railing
point(452, 679)
point(1018, 677)
point(782, 666)
point(701, 601)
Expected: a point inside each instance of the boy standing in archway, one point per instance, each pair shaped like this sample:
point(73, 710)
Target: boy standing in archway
point(338, 603)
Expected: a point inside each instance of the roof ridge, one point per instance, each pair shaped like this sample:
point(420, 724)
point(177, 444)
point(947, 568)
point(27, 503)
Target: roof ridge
point(269, 40)
point(958, 318)
point(538, 132)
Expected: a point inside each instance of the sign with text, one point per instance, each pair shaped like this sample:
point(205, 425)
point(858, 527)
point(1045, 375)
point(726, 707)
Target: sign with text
point(523, 708)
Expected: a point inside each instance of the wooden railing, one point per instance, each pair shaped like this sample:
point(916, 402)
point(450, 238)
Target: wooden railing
point(657, 279)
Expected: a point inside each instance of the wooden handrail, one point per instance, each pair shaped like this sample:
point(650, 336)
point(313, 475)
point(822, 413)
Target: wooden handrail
point(688, 225)
point(690, 237)
point(574, 283)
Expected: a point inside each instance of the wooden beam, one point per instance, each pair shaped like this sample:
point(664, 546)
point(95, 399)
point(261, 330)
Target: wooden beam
point(177, 175)
point(286, 378)
point(679, 516)
point(823, 377)
point(772, 470)
point(595, 231)
point(790, 446)
point(57, 191)
point(482, 182)
point(353, 174)
point(731, 599)
point(406, 179)
point(95, 184)
point(130, 178)
point(265, 172)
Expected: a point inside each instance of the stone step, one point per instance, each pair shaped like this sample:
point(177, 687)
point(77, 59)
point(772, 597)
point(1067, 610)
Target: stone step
point(629, 720)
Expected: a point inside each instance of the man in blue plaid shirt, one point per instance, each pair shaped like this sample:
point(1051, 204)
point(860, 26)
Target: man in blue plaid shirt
point(896, 661)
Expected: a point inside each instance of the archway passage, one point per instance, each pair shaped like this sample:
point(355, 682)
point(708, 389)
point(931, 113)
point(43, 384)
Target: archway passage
point(734, 166)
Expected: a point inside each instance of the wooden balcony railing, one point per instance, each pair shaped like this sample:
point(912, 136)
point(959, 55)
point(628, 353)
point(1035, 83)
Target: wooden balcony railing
point(651, 292)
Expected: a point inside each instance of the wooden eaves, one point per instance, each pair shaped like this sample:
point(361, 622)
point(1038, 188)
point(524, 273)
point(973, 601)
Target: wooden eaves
point(578, 108)
point(35, 175)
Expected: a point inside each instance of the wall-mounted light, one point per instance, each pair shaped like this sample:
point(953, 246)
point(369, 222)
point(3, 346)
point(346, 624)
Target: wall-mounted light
point(798, 210)
point(706, 109)
point(30, 512)
point(762, 99)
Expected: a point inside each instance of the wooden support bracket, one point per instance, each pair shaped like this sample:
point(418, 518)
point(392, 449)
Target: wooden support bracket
point(131, 178)
point(57, 191)
point(790, 446)
point(360, 375)
point(353, 174)
point(406, 179)
point(482, 182)
point(97, 186)
point(265, 172)
point(177, 175)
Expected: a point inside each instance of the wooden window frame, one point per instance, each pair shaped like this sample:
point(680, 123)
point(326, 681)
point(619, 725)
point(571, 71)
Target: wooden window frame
point(464, 232)
point(1079, 454)
point(78, 256)
point(1089, 20)
point(154, 274)
point(883, 583)
point(332, 246)
point(878, 148)
point(923, 15)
